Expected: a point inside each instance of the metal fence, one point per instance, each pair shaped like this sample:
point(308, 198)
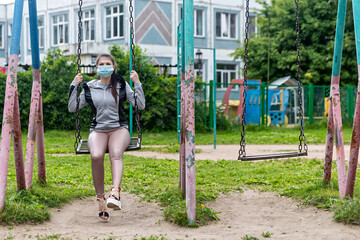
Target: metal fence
point(269, 104)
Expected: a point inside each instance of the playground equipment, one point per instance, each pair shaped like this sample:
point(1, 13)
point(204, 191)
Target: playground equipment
point(11, 116)
point(187, 108)
point(81, 146)
point(275, 101)
point(346, 181)
point(302, 145)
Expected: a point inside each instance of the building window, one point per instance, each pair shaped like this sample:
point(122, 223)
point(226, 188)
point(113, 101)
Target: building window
point(60, 34)
point(41, 30)
point(114, 20)
point(89, 26)
point(226, 25)
point(200, 73)
point(199, 23)
point(2, 37)
point(252, 26)
point(225, 73)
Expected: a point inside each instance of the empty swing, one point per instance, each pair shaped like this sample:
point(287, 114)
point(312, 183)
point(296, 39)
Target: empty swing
point(81, 146)
point(302, 148)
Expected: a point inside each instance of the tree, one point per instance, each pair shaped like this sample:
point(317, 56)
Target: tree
point(318, 24)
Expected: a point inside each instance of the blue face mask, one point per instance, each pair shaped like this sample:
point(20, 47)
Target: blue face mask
point(105, 71)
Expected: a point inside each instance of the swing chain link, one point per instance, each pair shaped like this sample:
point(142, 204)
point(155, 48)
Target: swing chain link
point(242, 152)
point(132, 46)
point(302, 138)
point(78, 127)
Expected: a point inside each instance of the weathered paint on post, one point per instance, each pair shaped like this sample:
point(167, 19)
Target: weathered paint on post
point(11, 89)
point(335, 100)
point(17, 143)
point(329, 147)
point(339, 140)
point(355, 140)
point(8, 114)
point(35, 118)
point(182, 138)
point(40, 142)
point(189, 110)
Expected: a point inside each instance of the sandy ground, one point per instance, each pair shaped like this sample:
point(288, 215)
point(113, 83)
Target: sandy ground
point(250, 213)
point(230, 152)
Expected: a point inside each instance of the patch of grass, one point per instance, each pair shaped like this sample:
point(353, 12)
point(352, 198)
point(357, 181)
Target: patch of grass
point(247, 237)
point(69, 177)
point(266, 234)
point(175, 148)
point(348, 211)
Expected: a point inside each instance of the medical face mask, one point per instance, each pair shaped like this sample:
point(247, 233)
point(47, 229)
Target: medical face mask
point(105, 71)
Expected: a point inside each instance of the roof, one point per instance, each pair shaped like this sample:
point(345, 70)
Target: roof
point(288, 80)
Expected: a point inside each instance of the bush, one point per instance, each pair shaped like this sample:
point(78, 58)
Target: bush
point(58, 71)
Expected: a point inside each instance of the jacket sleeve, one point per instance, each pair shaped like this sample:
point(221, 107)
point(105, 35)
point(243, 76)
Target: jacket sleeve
point(139, 93)
point(72, 98)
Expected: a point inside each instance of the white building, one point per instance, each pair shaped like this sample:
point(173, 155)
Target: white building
point(218, 24)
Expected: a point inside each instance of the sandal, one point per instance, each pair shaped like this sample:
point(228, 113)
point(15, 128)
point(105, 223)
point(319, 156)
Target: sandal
point(103, 210)
point(113, 200)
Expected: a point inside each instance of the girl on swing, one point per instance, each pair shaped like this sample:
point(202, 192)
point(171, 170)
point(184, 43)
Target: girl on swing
point(109, 129)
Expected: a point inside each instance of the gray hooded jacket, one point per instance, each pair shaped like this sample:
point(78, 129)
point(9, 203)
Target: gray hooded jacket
point(107, 113)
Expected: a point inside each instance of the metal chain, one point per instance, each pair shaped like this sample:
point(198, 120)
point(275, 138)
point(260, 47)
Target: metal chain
point(302, 138)
point(132, 46)
point(78, 127)
point(242, 152)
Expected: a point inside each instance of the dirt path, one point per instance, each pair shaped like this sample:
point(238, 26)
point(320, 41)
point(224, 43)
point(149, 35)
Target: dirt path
point(230, 152)
point(250, 213)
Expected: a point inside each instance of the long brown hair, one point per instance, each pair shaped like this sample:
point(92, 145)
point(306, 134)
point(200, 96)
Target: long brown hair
point(113, 81)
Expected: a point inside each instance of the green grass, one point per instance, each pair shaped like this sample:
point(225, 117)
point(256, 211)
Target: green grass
point(63, 141)
point(69, 177)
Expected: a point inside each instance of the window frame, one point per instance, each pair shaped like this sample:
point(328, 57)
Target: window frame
point(195, 19)
point(2, 33)
point(90, 20)
point(195, 23)
point(254, 17)
point(229, 26)
point(225, 71)
point(39, 28)
point(64, 23)
point(111, 16)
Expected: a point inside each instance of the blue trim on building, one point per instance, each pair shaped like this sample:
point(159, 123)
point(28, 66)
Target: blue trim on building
point(153, 37)
point(121, 40)
point(2, 49)
point(226, 43)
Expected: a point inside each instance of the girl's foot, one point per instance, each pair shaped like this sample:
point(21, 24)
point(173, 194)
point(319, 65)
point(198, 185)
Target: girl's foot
point(113, 200)
point(103, 214)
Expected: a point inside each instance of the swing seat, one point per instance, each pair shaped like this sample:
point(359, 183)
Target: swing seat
point(135, 144)
point(273, 156)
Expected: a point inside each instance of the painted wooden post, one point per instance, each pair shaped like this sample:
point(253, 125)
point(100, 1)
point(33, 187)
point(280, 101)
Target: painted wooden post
point(189, 96)
point(35, 120)
point(355, 140)
point(11, 110)
point(335, 102)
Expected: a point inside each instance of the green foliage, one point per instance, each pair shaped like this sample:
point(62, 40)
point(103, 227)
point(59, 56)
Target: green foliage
point(266, 234)
point(317, 21)
point(248, 237)
point(58, 71)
